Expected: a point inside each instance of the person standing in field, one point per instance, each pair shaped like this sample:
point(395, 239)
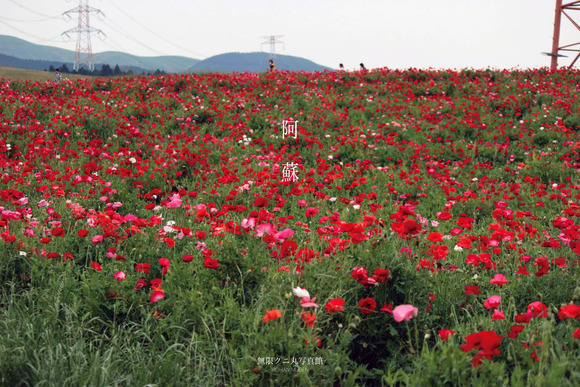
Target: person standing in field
point(271, 65)
point(58, 76)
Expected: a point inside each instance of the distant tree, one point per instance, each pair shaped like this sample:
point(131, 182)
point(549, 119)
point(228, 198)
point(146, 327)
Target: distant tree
point(106, 70)
point(117, 70)
point(51, 69)
point(64, 68)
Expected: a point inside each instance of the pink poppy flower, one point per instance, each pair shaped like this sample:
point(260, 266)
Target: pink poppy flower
point(404, 312)
point(497, 315)
point(249, 223)
point(284, 234)
point(498, 279)
point(156, 296)
point(263, 229)
point(97, 239)
point(492, 302)
point(120, 276)
point(307, 302)
point(175, 201)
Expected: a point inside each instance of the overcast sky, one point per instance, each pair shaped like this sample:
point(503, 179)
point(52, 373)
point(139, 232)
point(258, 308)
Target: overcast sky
point(381, 33)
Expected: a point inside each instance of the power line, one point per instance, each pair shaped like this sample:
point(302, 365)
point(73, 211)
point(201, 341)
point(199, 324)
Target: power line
point(156, 34)
point(125, 34)
point(27, 21)
point(34, 11)
point(38, 39)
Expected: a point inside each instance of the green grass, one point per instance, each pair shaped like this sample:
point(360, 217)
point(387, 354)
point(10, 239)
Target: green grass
point(15, 74)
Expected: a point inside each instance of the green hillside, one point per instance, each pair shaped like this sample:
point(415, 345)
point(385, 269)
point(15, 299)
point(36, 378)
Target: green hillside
point(254, 62)
point(23, 49)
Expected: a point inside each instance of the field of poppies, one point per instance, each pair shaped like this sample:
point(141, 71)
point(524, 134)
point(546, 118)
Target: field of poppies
point(431, 235)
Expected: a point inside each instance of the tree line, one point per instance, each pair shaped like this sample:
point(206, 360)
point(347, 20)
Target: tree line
point(104, 71)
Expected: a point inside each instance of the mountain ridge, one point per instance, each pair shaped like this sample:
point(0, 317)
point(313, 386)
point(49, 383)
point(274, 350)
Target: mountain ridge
point(22, 49)
point(12, 49)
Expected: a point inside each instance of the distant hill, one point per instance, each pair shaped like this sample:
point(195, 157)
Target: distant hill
point(43, 65)
point(255, 62)
point(22, 49)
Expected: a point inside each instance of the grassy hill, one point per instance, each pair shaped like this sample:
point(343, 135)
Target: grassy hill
point(15, 74)
point(254, 62)
point(22, 49)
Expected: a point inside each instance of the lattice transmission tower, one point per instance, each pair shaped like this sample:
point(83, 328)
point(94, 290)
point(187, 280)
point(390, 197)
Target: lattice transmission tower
point(272, 40)
point(563, 9)
point(83, 51)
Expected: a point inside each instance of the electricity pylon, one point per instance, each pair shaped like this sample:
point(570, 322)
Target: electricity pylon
point(561, 9)
point(83, 52)
point(272, 40)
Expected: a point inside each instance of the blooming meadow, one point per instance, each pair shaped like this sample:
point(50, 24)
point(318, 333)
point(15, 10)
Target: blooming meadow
point(430, 233)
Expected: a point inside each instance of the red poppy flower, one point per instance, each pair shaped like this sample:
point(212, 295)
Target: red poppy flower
point(96, 266)
point(141, 283)
point(444, 334)
point(271, 315)
point(335, 305)
point(170, 242)
point(387, 308)
point(142, 268)
point(522, 270)
point(308, 319)
point(515, 331)
point(310, 212)
point(211, 264)
point(367, 305)
point(435, 237)
point(486, 341)
point(522, 318)
point(82, 233)
point(537, 309)
point(472, 289)
point(569, 311)
point(58, 232)
point(381, 275)
point(261, 202)
point(187, 258)
point(443, 215)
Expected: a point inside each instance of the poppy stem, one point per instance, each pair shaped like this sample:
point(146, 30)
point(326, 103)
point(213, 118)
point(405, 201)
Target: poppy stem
point(409, 336)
